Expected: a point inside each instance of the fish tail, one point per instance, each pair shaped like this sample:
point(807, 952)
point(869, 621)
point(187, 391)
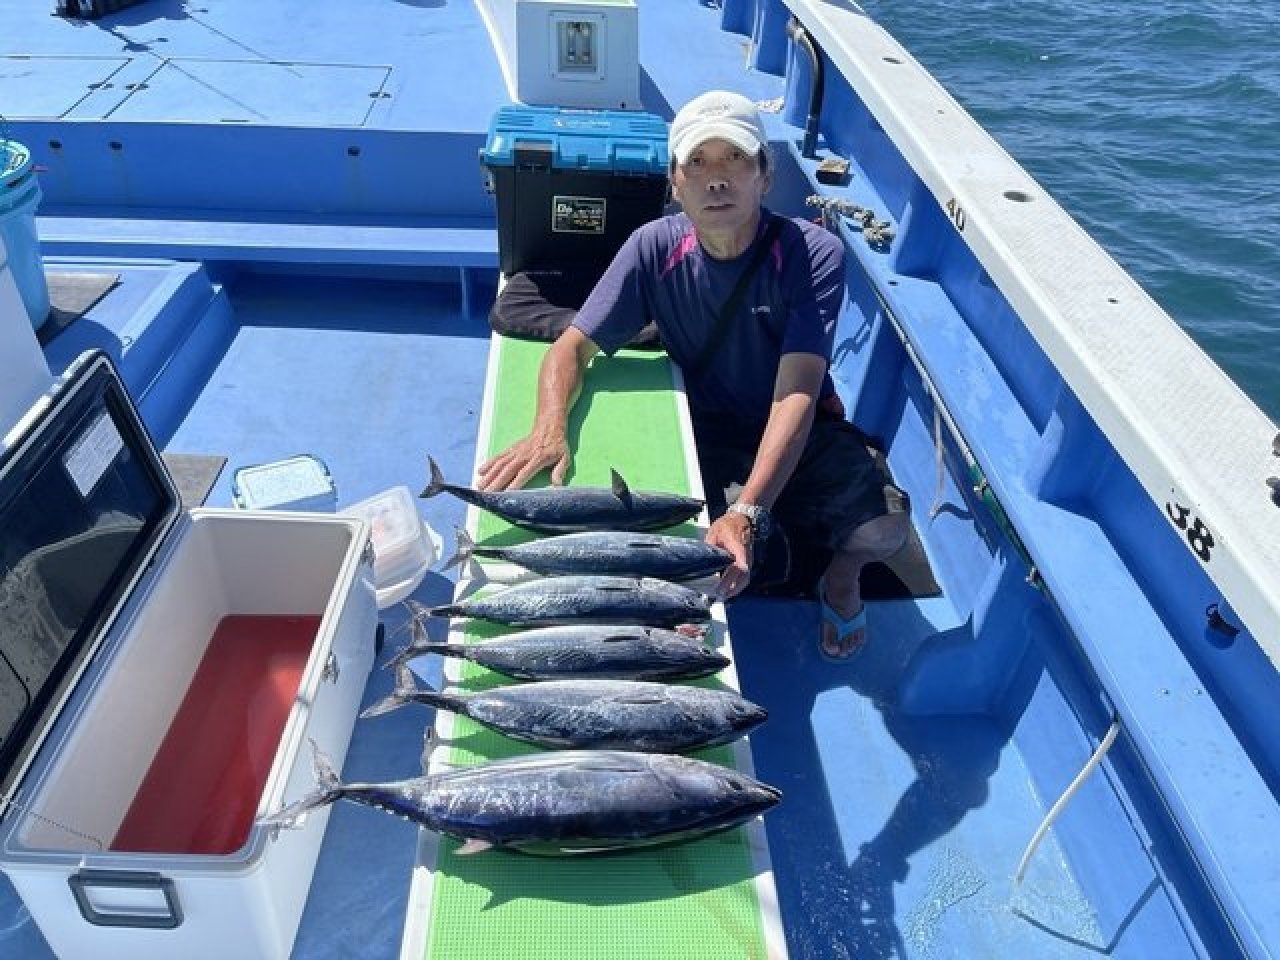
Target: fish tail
point(463, 551)
point(422, 649)
point(328, 788)
point(407, 691)
point(436, 484)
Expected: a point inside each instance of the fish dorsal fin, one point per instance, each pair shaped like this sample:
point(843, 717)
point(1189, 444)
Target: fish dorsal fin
point(474, 845)
point(620, 488)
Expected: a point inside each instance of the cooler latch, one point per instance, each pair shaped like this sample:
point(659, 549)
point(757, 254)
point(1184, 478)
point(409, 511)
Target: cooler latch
point(126, 898)
point(533, 156)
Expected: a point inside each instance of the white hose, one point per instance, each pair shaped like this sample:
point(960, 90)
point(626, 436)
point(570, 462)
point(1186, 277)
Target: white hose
point(1067, 794)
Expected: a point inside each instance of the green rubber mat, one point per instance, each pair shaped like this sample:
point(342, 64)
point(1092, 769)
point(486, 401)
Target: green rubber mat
point(687, 902)
point(626, 419)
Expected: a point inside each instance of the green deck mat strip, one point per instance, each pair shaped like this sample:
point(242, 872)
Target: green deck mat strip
point(696, 900)
point(625, 419)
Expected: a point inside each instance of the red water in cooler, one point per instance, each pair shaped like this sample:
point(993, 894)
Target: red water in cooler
point(203, 787)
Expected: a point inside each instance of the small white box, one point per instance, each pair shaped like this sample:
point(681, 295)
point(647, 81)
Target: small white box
point(297, 483)
point(184, 662)
point(575, 53)
point(404, 545)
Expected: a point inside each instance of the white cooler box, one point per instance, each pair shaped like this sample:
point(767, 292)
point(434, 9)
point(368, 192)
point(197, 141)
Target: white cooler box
point(162, 673)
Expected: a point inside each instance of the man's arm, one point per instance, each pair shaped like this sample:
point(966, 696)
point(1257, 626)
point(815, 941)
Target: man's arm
point(547, 444)
point(795, 396)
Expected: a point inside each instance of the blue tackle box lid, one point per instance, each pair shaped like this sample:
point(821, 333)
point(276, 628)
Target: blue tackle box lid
point(85, 502)
point(605, 141)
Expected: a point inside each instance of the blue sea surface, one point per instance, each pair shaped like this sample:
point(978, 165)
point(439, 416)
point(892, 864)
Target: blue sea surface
point(1156, 124)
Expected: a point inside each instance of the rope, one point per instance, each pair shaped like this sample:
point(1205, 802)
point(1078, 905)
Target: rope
point(1067, 794)
point(940, 474)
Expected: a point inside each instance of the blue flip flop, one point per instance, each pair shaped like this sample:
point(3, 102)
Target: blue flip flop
point(843, 627)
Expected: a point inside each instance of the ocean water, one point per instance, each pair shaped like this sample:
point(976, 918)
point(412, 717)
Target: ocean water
point(1156, 124)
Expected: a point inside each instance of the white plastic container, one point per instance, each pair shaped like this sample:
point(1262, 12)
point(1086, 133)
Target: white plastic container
point(405, 546)
point(116, 839)
point(297, 483)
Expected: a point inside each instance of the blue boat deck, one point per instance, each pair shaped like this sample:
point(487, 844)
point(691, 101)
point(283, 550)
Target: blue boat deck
point(899, 834)
point(307, 255)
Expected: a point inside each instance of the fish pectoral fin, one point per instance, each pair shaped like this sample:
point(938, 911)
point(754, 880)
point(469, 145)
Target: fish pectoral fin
point(474, 845)
point(620, 488)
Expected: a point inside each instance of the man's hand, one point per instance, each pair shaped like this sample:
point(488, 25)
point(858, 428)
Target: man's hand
point(547, 445)
point(521, 462)
point(733, 532)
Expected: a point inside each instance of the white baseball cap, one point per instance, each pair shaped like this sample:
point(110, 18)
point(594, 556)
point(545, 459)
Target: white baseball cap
point(718, 115)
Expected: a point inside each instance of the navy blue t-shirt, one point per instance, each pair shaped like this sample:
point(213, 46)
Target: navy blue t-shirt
point(663, 274)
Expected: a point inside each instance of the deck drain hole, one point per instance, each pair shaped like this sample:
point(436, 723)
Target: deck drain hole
point(1018, 196)
point(353, 151)
point(116, 145)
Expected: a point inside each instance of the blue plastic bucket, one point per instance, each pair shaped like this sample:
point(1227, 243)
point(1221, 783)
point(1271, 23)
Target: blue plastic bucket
point(19, 197)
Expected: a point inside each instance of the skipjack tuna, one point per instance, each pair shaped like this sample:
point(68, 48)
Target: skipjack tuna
point(575, 802)
point(573, 509)
point(608, 553)
point(566, 600)
point(597, 714)
point(600, 651)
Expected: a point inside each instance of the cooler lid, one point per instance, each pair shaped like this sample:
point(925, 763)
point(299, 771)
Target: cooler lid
point(598, 140)
point(85, 501)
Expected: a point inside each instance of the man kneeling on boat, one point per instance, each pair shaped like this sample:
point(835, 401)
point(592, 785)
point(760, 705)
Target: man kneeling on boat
point(746, 303)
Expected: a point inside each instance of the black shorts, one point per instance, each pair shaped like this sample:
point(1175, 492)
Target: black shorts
point(840, 483)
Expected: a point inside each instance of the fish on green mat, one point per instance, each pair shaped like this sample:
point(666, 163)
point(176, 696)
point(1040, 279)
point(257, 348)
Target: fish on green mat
point(594, 714)
point(574, 509)
point(583, 599)
point(566, 803)
point(600, 651)
point(605, 553)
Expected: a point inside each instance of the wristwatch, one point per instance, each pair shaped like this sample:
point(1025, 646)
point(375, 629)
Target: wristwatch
point(759, 517)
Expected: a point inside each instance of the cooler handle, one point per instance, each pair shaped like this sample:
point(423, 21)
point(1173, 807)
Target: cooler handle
point(81, 882)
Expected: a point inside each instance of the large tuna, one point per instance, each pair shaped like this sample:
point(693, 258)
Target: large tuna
point(603, 652)
point(573, 509)
point(557, 600)
point(593, 801)
point(593, 714)
point(608, 553)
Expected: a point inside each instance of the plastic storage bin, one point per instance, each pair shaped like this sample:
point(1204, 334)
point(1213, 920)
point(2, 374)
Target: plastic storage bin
point(571, 185)
point(404, 545)
point(19, 197)
point(298, 483)
point(133, 832)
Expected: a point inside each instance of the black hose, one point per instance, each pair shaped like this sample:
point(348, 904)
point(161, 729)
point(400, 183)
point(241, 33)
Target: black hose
point(802, 37)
